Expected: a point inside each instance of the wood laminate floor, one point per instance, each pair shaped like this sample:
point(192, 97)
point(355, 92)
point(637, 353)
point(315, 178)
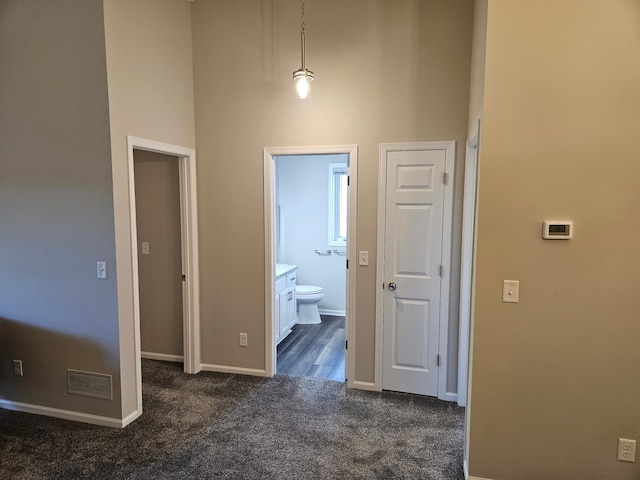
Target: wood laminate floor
point(314, 350)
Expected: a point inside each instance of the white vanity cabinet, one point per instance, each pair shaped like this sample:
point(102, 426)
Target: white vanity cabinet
point(285, 300)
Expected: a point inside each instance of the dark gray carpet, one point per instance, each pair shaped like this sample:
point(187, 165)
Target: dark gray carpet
point(237, 427)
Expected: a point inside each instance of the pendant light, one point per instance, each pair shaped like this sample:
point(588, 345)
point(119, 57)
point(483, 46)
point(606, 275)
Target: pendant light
point(302, 77)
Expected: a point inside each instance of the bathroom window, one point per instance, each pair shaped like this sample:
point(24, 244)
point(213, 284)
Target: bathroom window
point(338, 204)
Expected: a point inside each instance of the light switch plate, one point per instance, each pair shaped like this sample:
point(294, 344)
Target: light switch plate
point(102, 270)
point(145, 248)
point(363, 258)
point(510, 291)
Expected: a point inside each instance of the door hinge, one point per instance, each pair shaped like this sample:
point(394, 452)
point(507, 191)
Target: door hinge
point(438, 360)
point(383, 285)
point(348, 180)
point(347, 264)
point(445, 178)
point(442, 270)
point(346, 344)
point(184, 278)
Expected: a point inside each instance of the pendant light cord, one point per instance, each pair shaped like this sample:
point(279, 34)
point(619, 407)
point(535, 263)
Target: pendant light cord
point(302, 35)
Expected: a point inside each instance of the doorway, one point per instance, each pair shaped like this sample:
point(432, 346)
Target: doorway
point(310, 237)
point(189, 243)
point(158, 229)
point(340, 254)
point(415, 214)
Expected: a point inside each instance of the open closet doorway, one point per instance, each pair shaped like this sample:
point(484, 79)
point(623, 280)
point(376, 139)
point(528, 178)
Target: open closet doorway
point(157, 185)
point(188, 229)
point(310, 200)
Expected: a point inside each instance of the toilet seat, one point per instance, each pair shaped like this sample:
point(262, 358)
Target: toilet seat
point(308, 290)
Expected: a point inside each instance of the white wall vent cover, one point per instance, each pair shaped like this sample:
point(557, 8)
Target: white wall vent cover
point(89, 384)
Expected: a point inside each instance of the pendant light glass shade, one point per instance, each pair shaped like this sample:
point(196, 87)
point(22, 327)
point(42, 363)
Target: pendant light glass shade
point(302, 81)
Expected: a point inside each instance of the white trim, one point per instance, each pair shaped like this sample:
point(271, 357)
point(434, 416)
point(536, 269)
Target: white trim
point(189, 226)
point(334, 313)
point(164, 357)
point(370, 386)
point(447, 227)
point(350, 308)
point(331, 241)
point(207, 367)
point(448, 396)
point(447, 236)
point(468, 407)
point(269, 154)
point(69, 415)
point(270, 262)
point(130, 418)
point(190, 263)
point(379, 338)
point(467, 260)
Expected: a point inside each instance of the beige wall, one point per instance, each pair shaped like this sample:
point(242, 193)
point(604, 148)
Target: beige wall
point(150, 78)
point(555, 377)
point(478, 51)
point(56, 206)
point(160, 270)
point(385, 72)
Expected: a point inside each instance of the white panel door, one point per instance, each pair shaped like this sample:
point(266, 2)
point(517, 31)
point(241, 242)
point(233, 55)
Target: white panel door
point(413, 241)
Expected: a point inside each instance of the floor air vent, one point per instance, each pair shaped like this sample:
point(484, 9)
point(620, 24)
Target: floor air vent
point(89, 384)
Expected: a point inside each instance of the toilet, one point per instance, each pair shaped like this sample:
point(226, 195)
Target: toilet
point(307, 298)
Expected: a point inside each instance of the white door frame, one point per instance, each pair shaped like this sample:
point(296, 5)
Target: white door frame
point(447, 221)
point(189, 240)
point(468, 260)
point(269, 155)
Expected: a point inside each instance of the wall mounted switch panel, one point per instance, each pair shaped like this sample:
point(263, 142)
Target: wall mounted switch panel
point(510, 291)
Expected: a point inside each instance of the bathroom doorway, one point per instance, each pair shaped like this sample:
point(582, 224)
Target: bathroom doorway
point(310, 236)
point(310, 227)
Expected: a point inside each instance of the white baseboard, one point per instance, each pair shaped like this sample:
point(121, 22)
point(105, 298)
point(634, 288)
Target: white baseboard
point(465, 466)
point(130, 418)
point(335, 313)
point(237, 370)
point(68, 414)
point(449, 397)
point(365, 386)
point(165, 357)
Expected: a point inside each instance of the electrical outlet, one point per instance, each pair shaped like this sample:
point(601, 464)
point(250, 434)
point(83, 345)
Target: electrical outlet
point(626, 450)
point(243, 340)
point(17, 368)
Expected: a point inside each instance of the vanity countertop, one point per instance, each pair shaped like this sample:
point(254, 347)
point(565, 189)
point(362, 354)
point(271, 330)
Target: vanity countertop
point(284, 268)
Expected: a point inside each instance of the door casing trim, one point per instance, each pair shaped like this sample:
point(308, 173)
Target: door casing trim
point(445, 281)
point(468, 260)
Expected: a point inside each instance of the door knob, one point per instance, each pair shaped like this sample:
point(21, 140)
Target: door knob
point(392, 286)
